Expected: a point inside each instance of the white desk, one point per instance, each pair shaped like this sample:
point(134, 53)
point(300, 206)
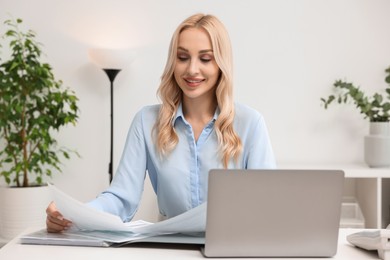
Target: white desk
point(16, 251)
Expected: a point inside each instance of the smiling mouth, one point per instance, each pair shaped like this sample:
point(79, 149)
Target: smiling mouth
point(194, 81)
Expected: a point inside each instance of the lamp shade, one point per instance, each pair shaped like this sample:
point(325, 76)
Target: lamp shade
point(111, 58)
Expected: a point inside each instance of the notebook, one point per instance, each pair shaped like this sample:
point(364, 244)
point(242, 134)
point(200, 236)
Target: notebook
point(273, 213)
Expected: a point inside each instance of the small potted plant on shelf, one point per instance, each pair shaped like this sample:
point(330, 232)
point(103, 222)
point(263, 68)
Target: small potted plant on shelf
point(376, 109)
point(33, 107)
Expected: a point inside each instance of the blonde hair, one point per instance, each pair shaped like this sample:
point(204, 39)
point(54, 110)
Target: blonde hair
point(171, 95)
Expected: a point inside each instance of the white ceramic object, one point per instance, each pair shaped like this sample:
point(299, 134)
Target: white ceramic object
point(377, 145)
point(21, 208)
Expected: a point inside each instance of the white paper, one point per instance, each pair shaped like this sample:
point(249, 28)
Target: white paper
point(84, 217)
point(108, 236)
point(192, 221)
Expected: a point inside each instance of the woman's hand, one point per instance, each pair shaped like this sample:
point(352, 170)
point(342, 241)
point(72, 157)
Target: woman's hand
point(55, 222)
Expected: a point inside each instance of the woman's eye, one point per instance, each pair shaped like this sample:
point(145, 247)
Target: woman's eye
point(182, 58)
point(205, 58)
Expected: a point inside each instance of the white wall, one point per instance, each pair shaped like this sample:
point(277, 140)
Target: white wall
point(287, 55)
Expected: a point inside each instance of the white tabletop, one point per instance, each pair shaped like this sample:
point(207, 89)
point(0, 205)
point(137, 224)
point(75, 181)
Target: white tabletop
point(16, 251)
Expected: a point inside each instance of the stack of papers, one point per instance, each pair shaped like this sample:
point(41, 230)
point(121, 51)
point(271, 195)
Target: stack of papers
point(92, 227)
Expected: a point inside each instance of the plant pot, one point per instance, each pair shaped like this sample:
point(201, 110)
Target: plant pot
point(377, 145)
point(21, 208)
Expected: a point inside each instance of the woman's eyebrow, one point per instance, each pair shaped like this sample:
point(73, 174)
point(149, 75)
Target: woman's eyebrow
point(202, 51)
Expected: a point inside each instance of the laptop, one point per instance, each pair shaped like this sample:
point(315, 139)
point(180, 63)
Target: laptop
point(273, 213)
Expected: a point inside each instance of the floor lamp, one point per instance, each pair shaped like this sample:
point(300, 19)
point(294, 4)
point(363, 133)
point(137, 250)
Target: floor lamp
point(111, 73)
point(112, 62)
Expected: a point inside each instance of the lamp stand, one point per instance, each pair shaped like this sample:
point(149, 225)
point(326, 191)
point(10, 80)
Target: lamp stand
point(111, 73)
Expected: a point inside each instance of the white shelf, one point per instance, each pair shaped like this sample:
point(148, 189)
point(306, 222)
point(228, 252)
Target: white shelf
point(350, 170)
point(370, 186)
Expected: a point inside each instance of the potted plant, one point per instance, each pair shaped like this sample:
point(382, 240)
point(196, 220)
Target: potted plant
point(34, 106)
point(376, 109)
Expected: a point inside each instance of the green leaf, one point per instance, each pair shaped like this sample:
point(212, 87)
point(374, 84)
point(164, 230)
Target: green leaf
point(388, 79)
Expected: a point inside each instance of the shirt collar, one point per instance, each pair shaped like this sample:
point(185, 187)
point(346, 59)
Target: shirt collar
point(179, 113)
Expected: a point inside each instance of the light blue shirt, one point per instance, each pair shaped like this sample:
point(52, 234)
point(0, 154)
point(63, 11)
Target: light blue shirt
point(180, 179)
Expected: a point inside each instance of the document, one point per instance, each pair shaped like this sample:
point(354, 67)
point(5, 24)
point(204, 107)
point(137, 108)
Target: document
point(104, 238)
point(192, 221)
point(92, 227)
point(84, 217)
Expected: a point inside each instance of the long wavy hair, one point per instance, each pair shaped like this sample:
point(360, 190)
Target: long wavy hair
point(170, 94)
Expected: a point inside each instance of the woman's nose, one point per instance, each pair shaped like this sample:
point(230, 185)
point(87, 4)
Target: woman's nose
point(193, 67)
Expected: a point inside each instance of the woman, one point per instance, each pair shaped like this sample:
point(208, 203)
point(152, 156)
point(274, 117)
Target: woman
point(196, 128)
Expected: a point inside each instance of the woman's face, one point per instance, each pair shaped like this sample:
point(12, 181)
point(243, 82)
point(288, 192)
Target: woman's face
point(196, 70)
